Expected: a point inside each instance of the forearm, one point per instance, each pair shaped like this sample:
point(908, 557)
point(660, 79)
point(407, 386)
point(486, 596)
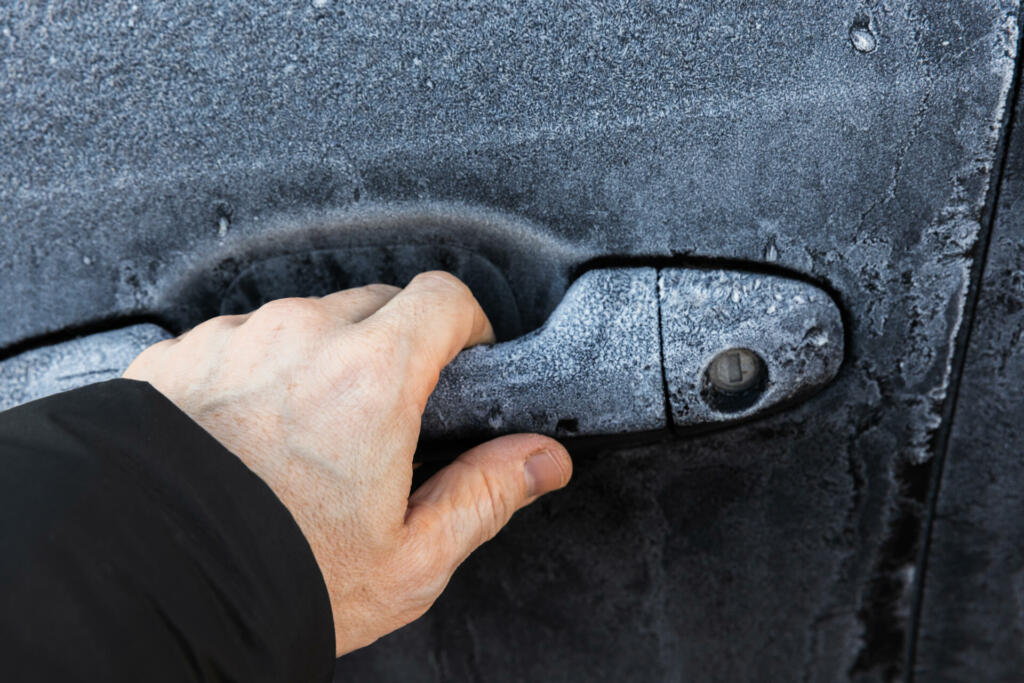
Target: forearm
point(136, 547)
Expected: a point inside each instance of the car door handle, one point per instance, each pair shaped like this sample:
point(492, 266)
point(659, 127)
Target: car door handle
point(635, 349)
point(593, 368)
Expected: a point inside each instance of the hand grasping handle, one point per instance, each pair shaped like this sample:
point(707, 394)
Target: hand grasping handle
point(322, 398)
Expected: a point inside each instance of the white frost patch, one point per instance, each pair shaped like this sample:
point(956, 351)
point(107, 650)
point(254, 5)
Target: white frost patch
point(818, 340)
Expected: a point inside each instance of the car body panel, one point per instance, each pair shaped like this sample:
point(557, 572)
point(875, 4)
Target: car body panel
point(148, 148)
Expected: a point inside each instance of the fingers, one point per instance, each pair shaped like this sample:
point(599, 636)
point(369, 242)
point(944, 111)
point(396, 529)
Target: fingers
point(355, 305)
point(470, 500)
point(434, 317)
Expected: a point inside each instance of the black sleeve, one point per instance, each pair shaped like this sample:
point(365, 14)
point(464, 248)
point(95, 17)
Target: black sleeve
point(134, 547)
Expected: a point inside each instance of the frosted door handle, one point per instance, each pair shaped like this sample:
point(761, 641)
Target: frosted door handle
point(593, 368)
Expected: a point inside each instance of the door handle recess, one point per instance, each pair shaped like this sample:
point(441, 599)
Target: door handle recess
point(627, 350)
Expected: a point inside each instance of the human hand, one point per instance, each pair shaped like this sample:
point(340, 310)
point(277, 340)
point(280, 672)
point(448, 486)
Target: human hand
point(322, 399)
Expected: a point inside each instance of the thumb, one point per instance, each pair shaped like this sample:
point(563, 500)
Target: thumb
point(470, 500)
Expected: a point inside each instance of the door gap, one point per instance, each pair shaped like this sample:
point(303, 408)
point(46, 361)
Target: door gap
point(962, 344)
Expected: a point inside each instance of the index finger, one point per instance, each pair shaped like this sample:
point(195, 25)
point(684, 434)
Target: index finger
point(431, 320)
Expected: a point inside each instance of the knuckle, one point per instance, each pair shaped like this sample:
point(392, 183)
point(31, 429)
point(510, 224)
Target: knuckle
point(289, 306)
point(216, 325)
point(446, 296)
point(381, 290)
point(442, 281)
point(293, 313)
point(495, 507)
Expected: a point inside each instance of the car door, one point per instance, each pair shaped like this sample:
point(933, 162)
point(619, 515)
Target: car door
point(167, 162)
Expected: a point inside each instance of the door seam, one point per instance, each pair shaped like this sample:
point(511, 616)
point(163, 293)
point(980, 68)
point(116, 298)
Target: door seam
point(962, 342)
